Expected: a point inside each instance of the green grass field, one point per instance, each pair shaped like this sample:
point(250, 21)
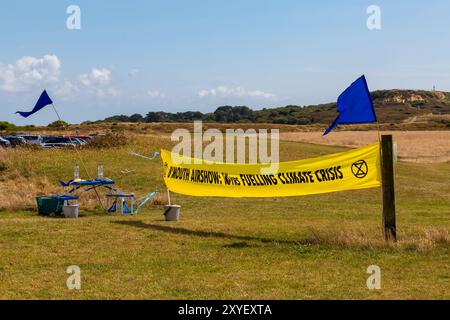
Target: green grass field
point(312, 247)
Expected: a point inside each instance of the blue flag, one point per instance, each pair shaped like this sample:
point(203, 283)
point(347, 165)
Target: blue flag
point(354, 105)
point(43, 101)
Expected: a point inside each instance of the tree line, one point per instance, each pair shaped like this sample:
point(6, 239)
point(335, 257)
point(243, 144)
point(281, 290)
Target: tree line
point(291, 114)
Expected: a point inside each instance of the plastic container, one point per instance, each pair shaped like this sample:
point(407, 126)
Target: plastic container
point(100, 171)
point(172, 212)
point(76, 172)
point(49, 206)
point(70, 211)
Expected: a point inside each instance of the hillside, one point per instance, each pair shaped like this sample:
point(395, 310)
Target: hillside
point(392, 107)
point(400, 105)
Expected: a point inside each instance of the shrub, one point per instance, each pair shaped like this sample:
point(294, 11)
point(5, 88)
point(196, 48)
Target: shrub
point(3, 166)
point(445, 122)
point(108, 140)
point(6, 126)
point(58, 124)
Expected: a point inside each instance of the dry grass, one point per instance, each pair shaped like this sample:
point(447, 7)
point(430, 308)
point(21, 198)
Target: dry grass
point(109, 140)
point(412, 146)
point(423, 240)
point(18, 188)
point(20, 193)
point(29, 172)
point(160, 199)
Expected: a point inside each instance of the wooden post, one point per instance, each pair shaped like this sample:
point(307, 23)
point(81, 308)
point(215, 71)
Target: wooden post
point(387, 175)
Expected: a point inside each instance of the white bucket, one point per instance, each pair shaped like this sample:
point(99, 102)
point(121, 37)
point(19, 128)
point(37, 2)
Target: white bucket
point(172, 212)
point(70, 211)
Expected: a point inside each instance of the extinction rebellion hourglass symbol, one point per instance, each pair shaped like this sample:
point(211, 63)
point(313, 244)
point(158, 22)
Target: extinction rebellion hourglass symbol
point(360, 169)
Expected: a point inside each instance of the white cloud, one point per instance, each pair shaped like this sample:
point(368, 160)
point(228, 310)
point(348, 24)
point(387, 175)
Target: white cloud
point(224, 91)
point(66, 89)
point(97, 77)
point(29, 71)
point(134, 72)
point(97, 82)
point(155, 94)
point(259, 93)
point(107, 92)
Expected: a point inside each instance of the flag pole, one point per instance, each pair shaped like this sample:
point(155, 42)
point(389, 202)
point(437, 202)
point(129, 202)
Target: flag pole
point(378, 129)
point(78, 154)
point(168, 196)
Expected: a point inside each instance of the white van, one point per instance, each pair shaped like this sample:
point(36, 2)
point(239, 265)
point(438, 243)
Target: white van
point(31, 139)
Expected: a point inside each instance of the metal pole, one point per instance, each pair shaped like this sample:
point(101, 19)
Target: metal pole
point(379, 133)
point(168, 196)
point(79, 155)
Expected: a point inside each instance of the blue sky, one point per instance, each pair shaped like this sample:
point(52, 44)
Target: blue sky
point(140, 56)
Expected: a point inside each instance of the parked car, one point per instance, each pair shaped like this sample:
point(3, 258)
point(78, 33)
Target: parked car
point(60, 142)
point(79, 141)
point(82, 137)
point(15, 140)
point(4, 143)
point(31, 139)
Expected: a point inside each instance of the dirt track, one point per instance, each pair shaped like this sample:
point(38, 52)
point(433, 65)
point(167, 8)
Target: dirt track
point(412, 146)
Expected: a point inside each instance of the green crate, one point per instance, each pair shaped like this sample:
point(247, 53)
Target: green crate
point(49, 206)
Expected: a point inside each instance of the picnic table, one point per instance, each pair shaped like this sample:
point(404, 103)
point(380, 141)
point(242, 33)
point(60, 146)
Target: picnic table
point(120, 200)
point(87, 185)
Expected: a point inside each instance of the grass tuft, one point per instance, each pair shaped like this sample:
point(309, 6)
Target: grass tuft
point(428, 239)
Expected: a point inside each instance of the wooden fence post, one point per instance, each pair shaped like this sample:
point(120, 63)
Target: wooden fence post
point(387, 175)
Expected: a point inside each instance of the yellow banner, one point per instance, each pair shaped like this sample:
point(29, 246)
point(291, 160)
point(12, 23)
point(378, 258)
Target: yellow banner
point(354, 169)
